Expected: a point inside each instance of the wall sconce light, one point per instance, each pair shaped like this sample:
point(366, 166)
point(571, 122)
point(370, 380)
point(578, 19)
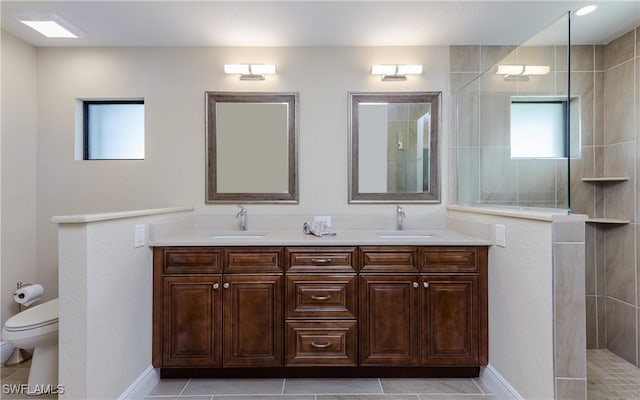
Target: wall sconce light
point(250, 72)
point(521, 72)
point(394, 72)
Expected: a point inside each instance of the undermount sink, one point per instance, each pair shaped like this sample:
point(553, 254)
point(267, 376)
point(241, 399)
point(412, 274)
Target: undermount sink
point(238, 235)
point(405, 235)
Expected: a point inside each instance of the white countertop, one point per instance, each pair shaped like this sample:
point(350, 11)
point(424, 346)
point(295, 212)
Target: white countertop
point(355, 237)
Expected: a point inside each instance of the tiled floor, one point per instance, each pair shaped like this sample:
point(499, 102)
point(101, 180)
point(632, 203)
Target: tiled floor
point(611, 377)
point(320, 389)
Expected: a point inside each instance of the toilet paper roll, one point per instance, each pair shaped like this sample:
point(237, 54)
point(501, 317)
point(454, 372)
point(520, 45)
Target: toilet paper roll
point(28, 294)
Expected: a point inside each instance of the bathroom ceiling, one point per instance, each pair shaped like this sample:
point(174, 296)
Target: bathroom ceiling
point(316, 23)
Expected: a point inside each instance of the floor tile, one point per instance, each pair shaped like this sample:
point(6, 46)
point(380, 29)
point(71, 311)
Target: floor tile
point(457, 397)
point(180, 398)
point(273, 397)
point(429, 386)
point(233, 386)
point(369, 397)
point(332, 386)
point(169, 387)
point(611, 377)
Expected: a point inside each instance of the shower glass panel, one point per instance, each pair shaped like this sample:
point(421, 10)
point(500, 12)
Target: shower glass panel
point(517, 127)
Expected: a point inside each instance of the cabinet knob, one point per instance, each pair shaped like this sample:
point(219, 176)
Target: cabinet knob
point(226, 285)
point(216, 286)
point(415, 285)
point(425, 284)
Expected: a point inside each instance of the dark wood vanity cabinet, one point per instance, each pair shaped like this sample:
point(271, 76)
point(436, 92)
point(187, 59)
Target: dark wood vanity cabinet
point(369, 308)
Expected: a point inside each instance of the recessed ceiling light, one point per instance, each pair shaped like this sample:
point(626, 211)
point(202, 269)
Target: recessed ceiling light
point(586, 10)
point(49, 25)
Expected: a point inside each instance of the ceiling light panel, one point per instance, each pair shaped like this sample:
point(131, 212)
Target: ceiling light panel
point(50, 26)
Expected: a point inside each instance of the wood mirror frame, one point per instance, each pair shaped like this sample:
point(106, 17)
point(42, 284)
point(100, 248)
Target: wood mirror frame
point(432, 195)
point(289, 194)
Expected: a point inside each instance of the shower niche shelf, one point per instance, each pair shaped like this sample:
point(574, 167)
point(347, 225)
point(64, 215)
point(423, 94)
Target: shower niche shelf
point(606, 180)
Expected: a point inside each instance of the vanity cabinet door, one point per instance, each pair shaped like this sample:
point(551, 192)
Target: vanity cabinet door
point(449, 331)
point(253, 324)
point(389, 319)
point(192, 321)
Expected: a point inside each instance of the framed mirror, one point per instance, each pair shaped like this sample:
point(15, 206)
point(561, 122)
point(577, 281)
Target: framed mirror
point(251, 147)
point(394, 147)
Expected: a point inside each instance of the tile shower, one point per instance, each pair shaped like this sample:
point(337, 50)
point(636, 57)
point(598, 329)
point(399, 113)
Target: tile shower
point(606, 80)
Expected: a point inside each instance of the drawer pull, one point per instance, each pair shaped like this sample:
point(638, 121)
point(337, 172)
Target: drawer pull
point(321, 260)
point(327, 297)
point(320, 346)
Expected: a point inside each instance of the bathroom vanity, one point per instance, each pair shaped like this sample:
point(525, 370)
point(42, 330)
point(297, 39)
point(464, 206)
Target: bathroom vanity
point(293, 308)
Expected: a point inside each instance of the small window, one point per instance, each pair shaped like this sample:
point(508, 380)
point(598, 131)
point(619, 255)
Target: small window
point(113, 130)
point(539, 129)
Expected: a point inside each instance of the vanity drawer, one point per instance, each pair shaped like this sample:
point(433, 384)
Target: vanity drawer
point(320, 259)
point(388, 259)
point(322, 296)
point(189, 260)
point(449, 259)
point(325, 343)
point(240, 260)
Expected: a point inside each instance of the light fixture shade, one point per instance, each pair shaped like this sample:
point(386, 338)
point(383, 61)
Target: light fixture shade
point(409, 69)
point(383, 69)
point(511, 70)
point(263, 69)
point(536, 70)
point(250, 72)
point(236, 69)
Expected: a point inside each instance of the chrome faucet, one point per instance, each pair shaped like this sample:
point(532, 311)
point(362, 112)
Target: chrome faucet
point(400, 216)
point(242, 214)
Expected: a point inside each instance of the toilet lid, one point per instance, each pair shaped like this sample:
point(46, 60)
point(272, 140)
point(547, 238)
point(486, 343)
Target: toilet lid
point(40, 315)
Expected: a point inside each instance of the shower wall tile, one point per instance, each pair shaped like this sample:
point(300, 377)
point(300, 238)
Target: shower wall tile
point(571, 389)
point(498, 179)
point(638, 42)
point(598, 57)
point(598, 108)
point(598, 156)
point(601, 287)
point(398, 112)
point(534, 185)
point(562, 183)
point(599, 201)
point(581, 192)
point(452, 160)
point(467, 126)
point(537, 55)
point(619, 50)
point(619, 197)
point(494, 119)
point(491, 55)
point(591, 322)
point(590, 261)
point(469, 168)
point(569, 282)
point(582, 85)
point(601, 302)
point(637, 229)
point(621, 329)
point(464, 58)
point(582, 58)
point(542, 85)
point(619, 104)
point(621, 263)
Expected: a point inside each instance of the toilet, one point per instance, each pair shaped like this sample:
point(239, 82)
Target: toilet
point(37, 328)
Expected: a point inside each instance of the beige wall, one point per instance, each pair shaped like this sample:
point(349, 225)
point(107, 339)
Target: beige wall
point(19, 151)
point(172, 82)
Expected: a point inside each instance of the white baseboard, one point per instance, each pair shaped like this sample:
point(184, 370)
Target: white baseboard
point(496, 383)
point(142, 385)
point(7, 349)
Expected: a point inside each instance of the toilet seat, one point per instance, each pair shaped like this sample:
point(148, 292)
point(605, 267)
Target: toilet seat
point(39, 316)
